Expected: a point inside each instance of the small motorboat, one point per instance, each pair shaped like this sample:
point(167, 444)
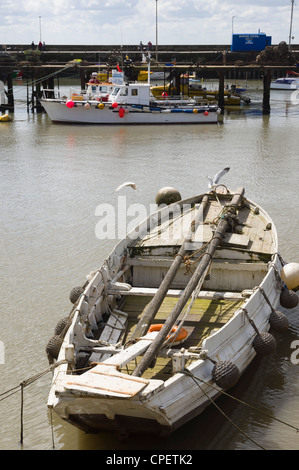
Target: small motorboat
point(197, 89)
point(285, 83)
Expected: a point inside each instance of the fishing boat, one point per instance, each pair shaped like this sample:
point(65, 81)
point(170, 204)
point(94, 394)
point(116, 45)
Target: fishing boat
point(128, 103)
point(172, 318)
point(196, 88)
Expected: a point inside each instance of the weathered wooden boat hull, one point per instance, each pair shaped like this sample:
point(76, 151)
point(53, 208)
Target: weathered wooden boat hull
point(107, 399)
point(178, 402)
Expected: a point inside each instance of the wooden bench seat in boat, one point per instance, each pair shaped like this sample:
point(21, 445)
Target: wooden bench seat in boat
point(226, 275)
point(150, 291)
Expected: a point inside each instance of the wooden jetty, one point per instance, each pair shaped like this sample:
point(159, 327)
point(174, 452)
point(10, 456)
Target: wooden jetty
point(40, 72)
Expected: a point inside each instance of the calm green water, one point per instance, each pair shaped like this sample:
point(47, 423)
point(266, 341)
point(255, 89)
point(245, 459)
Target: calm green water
point(53, 177)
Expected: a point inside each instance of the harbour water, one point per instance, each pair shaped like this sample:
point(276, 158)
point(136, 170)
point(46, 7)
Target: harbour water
point(53, 178)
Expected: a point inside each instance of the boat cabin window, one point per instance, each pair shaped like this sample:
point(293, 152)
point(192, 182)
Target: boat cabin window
point(115, 91)
point(134, 92)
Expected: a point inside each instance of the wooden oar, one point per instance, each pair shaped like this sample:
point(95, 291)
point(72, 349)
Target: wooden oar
point(154, 305)
point(195, 281)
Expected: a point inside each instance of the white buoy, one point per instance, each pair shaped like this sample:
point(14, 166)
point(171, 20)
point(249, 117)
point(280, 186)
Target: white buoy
point(290, 276)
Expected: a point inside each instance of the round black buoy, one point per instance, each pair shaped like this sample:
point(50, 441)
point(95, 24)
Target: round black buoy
point(288, 298)
point(167, 196)
point(225, 374)
point(279, 321)
point(75, 294)
point(264, 344)
point(53, 347)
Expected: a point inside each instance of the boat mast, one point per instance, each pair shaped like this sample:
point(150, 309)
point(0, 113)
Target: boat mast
point(148, 67)
point(290, 36)
point(156, 30)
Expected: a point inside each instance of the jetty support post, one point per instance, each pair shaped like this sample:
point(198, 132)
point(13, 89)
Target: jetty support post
point(37, 92)
point(221, 91)
point(10, 96)
point(83, 78)
point(266, 91)
point(33, 103)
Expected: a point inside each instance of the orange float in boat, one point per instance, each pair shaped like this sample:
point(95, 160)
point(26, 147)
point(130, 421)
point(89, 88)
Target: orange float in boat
point(177, 337)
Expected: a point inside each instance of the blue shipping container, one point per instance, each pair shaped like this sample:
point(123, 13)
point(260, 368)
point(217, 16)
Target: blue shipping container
point(250, 42)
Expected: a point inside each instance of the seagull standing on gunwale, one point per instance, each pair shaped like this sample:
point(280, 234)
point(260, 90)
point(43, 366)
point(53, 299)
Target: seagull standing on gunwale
point(214, 181)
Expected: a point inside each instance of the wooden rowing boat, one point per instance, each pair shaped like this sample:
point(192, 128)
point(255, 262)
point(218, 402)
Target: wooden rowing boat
point(206, 268)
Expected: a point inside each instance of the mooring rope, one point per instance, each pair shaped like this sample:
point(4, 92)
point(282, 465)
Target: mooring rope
point(223, 392)
point(30, 380)
point(194, 378)
point(40, 80)
point(221, 411)
point(24, 384)
point(186, 259)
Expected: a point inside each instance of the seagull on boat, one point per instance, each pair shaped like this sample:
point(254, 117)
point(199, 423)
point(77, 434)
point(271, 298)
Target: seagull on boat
point(133, 185)
point(215, 180)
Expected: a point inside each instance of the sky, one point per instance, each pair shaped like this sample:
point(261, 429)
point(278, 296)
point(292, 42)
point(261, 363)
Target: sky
point(127, 22)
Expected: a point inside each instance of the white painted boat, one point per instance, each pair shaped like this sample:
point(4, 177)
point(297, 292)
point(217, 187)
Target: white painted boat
point(285, 83)
point(208, 266)
point(130, 103)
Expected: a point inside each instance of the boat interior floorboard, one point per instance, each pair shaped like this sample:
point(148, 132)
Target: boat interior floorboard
point(205, 316)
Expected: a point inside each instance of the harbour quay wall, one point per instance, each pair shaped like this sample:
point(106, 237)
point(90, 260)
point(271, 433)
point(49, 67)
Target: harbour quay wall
point(100, 54)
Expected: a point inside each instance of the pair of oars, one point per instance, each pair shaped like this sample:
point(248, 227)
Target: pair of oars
point(195, 282)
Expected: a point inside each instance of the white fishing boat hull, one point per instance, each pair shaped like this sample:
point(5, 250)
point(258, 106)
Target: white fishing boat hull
point(108, 399)
point(59, 112)
point(285, 84)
